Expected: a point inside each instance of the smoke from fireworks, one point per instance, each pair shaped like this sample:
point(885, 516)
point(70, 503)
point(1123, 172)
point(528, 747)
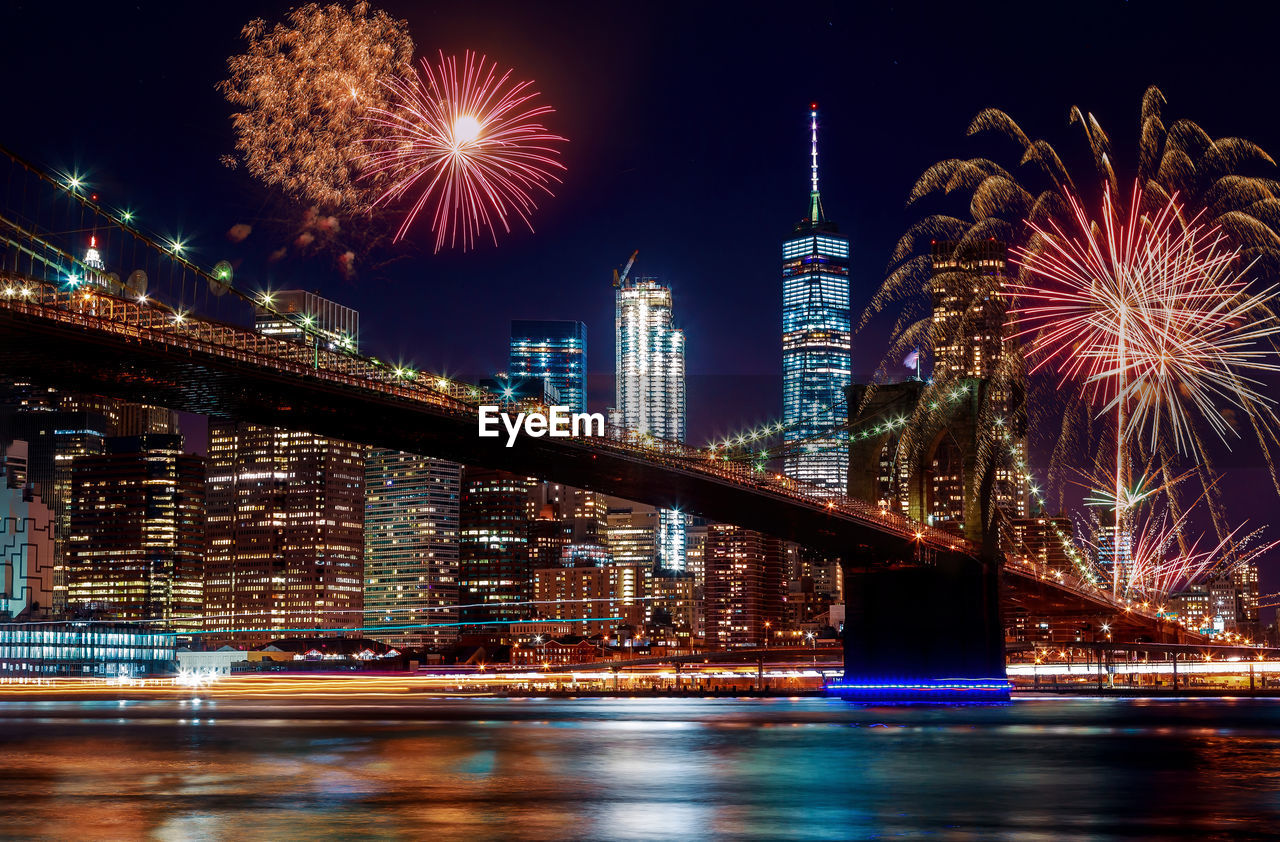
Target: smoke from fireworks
point(301, 87)
point(468, 142)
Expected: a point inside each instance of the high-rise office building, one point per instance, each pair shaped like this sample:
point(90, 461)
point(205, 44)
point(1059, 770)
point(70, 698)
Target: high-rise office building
point(649, 361)
point(496, 573)
point(971, 338)
point(816, 342)
point(746, 586)
point(650, 382)
point(136, 545)
point(411, 565)
point(286, 533)
point(297, 312)
point(555, 351)
point(286, 509)
point(26, 539)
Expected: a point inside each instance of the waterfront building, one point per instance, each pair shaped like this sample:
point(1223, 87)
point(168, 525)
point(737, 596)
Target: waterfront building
point(695, 550)
point(553, 351)
point(60, 427)
point(286, 533)
point(673, 612)
point(816, 341)
point(411, 556)
point(84, 649)
point(495, 576)
point(745, 587)
point(136, 546)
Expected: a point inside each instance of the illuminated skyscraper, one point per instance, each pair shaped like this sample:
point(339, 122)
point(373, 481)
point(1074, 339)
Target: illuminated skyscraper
point(136, 544)
point(554, 351)
point(972, 339)
point(411, 548)
point(496, 572)
point(816, 343)
point(286, 510)
point(649, 357)
point(746, 586)
point(286, 533)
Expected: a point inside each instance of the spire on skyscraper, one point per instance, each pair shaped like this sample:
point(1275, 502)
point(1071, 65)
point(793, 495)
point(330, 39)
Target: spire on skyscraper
point(815, 199)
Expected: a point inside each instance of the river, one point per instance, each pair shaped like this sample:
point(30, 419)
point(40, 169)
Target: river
point(1043, 768)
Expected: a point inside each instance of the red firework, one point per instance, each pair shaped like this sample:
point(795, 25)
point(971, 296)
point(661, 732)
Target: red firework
point(469, 143)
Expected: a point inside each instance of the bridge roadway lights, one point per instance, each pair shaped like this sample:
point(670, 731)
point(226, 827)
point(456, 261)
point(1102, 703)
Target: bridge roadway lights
point(923, 633)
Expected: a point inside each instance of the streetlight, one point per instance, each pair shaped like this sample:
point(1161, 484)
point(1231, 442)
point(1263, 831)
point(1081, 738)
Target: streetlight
point(767, 625)
point(813, 641)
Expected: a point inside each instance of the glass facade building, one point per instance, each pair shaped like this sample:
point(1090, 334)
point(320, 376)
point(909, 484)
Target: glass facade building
point(650, 382)
point(83, 649)
point(555, 351)
point(816, 344)
point(411, 548)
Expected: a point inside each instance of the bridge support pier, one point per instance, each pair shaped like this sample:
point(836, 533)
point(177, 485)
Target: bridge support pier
point(924, 633)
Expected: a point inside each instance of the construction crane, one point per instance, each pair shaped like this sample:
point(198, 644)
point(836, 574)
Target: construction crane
point(619, 280)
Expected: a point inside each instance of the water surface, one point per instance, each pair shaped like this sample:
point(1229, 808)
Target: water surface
point(667, 769)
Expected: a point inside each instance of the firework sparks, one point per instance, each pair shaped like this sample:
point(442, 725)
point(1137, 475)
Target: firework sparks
point(1149, 314)
point(1213, 176)
point(468, 142)
point(1159, 561)
point(302, 86)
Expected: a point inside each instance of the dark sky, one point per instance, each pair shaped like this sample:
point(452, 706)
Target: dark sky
point(688, 138)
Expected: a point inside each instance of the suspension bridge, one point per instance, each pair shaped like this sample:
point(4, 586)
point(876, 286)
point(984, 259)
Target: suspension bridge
point(89, 302)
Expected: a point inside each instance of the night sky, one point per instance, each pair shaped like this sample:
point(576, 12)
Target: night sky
point(688, 138)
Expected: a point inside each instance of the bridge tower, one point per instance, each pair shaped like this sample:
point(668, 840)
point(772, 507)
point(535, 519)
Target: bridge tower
point(928, 627)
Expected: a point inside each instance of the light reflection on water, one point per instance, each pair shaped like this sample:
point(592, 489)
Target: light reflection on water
point(639, 769)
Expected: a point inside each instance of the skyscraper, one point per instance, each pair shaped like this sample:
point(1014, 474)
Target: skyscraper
point(411, 548)
point(555, 351)
point(286, 533)
point(972, 338)
point(649, 369)
point(746, 586)
point(136, 545)
point(496, 573)
point(286, 509)
point(816, 343)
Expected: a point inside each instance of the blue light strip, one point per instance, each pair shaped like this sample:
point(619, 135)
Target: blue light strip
point(941, 688)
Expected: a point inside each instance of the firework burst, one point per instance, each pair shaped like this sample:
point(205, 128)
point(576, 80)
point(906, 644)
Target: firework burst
point(301, 87)
point(1149, 314)
point(468, 142)
point(1214, 178)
